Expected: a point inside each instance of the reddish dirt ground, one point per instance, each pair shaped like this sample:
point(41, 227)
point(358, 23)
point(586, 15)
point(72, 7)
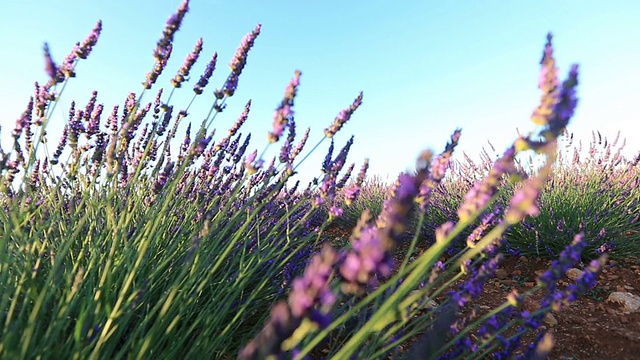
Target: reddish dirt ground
point(591, 328)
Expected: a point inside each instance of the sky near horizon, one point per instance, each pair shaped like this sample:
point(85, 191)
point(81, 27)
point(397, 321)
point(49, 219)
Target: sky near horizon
point(425, 67)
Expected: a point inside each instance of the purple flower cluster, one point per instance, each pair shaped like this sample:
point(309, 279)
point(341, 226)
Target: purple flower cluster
point(238, 63)
point(164, 46)
point(184, 70)
point(284, 113)
point(343, 117)
point(437, 171)
point(352, 192)
point(308, 292)
point(472, 288)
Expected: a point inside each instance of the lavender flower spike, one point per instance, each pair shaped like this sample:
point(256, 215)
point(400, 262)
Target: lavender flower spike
point(173, 24)
point(238, 62)
point(82, 50)
point(309, 291)
point(164, 46)
point(284, 112)
point(351, 193)
point(343, 117)
point(208, 71)
point(191, 59)
point(50, 66)
point(548, 84)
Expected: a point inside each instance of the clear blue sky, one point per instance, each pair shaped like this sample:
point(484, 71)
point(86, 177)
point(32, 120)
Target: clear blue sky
point(426, 67)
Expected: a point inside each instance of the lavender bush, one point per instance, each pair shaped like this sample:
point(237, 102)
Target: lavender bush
point(115, 244)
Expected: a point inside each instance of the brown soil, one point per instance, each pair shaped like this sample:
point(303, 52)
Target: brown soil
point(590, 328)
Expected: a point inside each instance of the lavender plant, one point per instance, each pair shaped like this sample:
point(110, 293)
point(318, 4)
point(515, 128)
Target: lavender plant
point(116, 244)
point(391, 307)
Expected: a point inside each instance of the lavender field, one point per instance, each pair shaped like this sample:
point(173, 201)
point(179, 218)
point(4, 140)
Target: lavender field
point(123, 239)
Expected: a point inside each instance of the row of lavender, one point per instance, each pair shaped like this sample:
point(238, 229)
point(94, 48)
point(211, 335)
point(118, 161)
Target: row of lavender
point(595, 190)
point(113, 247)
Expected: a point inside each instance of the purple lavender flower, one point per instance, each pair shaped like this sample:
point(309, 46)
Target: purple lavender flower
point(61, 145)
point(524, 202)
point(166, 118)
point(437, 171)
point(82, 50)
point(368, 258)
point(239, 61)
point(567, 102)
point(351, 193)
point(171, 27)
point(198, 88)
point(284, 112)
point(241, 119)
point(343, 117)
point(50, 66)
point(341, 158)
point(313, 287)
point(487, 220)
point(24, 121)
point(184, 70)
point(472, 288)
point(79, 51)
point(326, 164)
point(568, 257)
point(285, 151)
point(159, 66)
point(280, 326)
point(548, 84)
point(343, 181)
point(296, 151)
point(482, 191)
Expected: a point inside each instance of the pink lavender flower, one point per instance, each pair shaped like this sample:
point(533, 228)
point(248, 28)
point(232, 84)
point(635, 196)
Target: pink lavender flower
point(284, 112)
point(184, 70)
point(251, 164)
point(198, 88)
point(335, 211)
point(343, 117)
